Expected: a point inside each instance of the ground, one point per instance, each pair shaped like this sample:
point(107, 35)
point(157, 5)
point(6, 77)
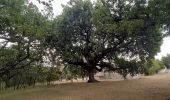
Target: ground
point(155, 87)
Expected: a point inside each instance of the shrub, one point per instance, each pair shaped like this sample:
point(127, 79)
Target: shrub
point(153, 66)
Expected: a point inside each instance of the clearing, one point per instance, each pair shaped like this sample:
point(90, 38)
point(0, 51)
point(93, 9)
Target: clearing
point(155, 87)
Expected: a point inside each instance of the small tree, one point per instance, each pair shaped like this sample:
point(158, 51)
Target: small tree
point(23, 27)
point(166, 61)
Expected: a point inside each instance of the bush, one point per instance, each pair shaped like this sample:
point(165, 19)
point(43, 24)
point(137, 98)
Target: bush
point(153, 66)
point(166, 61)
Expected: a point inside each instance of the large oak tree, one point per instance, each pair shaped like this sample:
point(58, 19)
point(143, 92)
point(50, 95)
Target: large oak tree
point(117, 35)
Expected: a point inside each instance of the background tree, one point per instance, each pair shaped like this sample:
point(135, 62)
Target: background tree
point(153, 66)
point(22, 32)
point(166, 60)
point(97, 36)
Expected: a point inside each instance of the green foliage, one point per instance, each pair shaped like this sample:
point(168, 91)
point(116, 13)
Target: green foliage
point(160, 10)
point(166, 61)
point(53, 74)
point(129, 67)
point(153, 67)
point(115, 35)
point(74, 72)
point(30, 76)
point(88, 35)
point(22, 31)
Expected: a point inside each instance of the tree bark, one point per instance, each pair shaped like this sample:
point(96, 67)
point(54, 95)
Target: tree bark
point(91, 77)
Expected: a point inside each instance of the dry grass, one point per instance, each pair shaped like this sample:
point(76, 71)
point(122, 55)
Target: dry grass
point(148, 88)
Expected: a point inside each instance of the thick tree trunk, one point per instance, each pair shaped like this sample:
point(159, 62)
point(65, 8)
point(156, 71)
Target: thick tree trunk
point(91, 77)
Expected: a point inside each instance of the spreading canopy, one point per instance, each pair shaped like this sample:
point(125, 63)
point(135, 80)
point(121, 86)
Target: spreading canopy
point(103, 34)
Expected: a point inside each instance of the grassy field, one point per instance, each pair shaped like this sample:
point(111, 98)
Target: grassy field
point(148, 88)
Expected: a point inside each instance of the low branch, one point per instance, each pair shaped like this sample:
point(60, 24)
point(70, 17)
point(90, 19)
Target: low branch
point(3, 46)
point(12, 65)
point(106, 65)
point(115, 48)
point(77, 63)
point(5, 70)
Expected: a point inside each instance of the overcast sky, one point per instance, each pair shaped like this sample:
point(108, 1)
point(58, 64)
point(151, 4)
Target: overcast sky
point(165, 48)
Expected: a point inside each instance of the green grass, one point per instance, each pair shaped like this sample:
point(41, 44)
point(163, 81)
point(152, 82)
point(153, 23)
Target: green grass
point(149, 88)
